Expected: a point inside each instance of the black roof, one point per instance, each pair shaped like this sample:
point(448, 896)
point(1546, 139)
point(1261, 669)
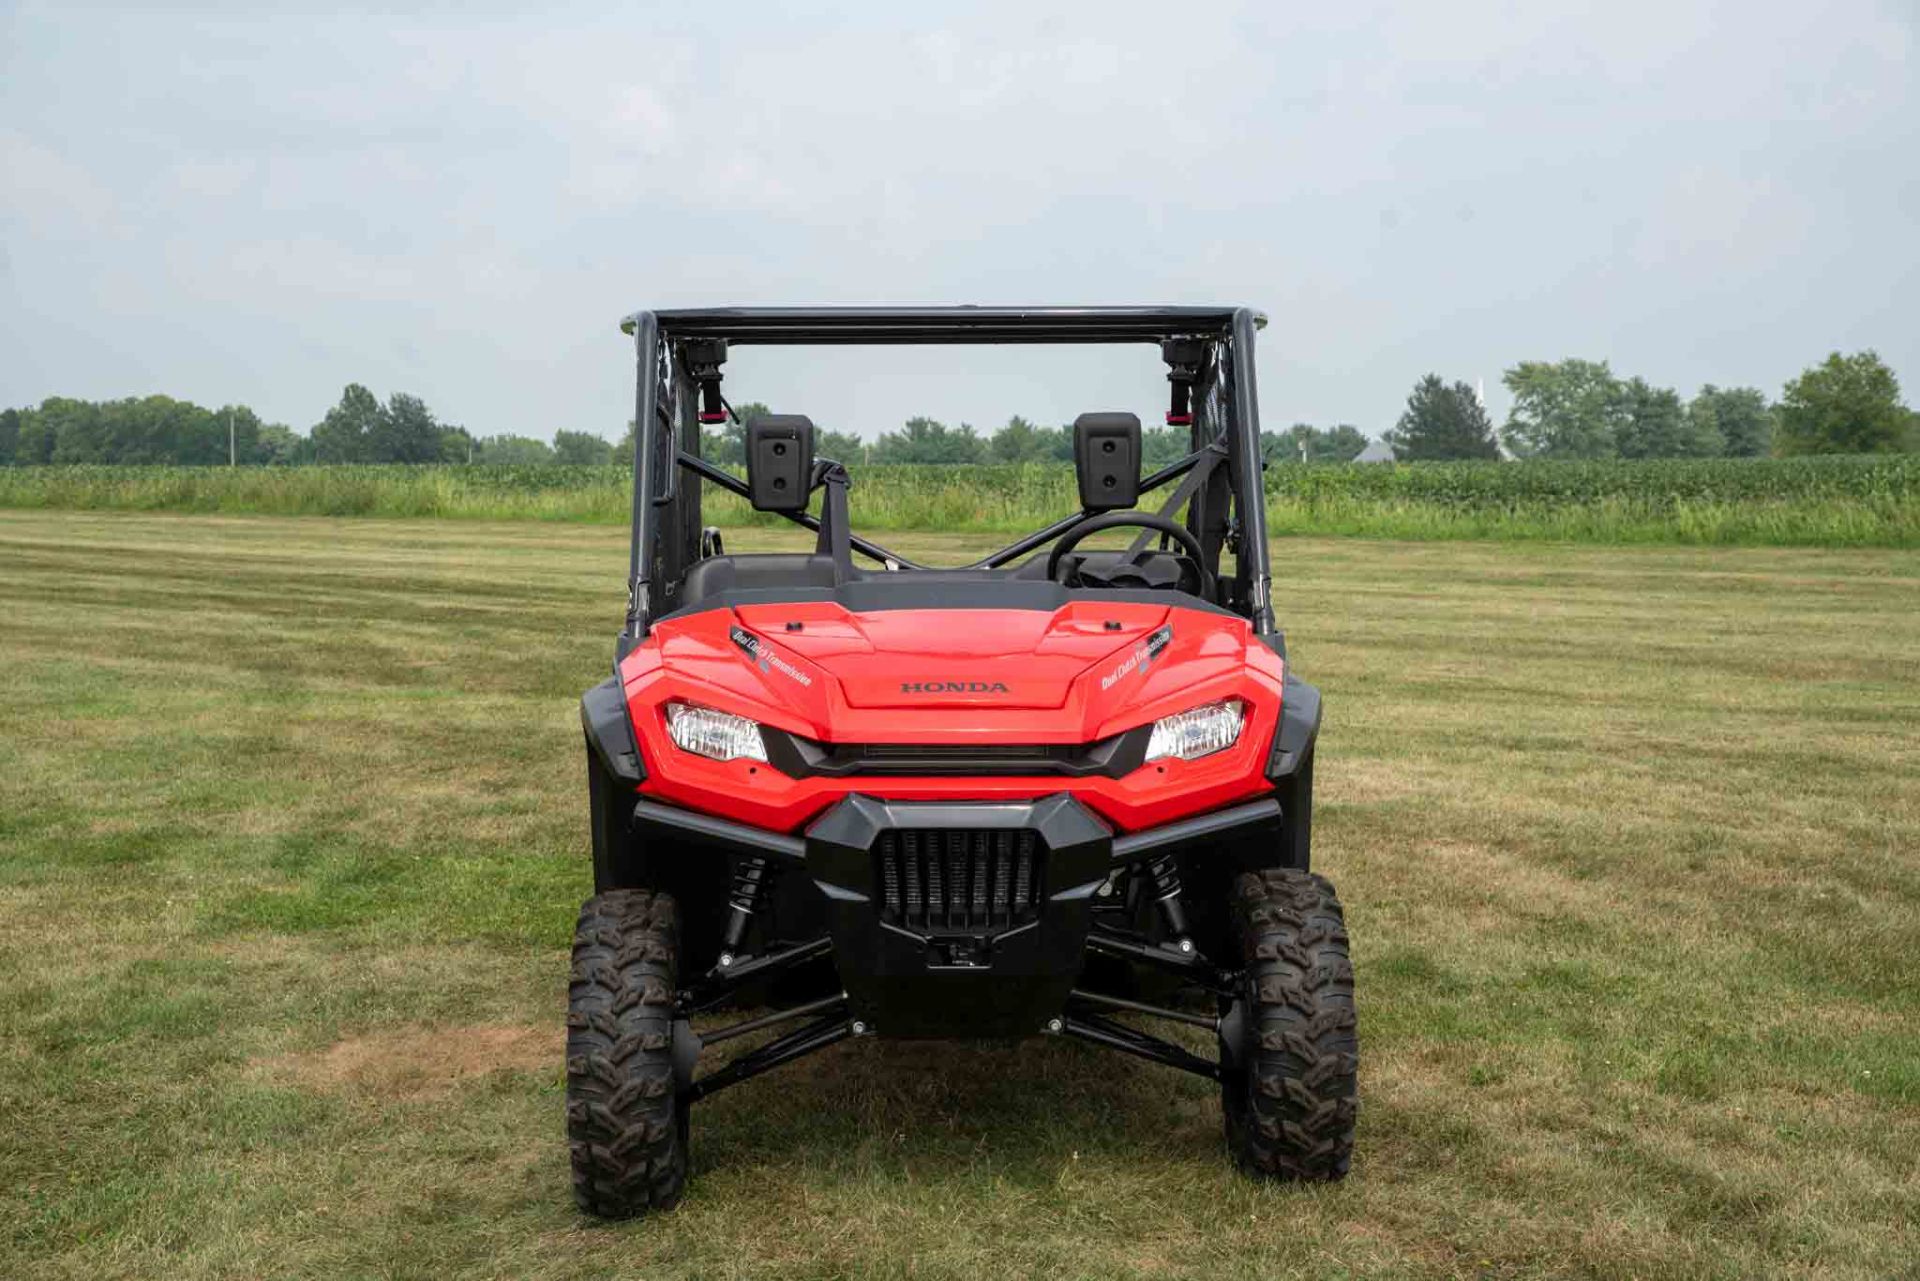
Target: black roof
point(944, 324)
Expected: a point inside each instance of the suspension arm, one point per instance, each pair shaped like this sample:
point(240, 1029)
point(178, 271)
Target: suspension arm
point(1191, 966)
point(1099, 1031)
point(810, 1039)
point(837, 1004)
point(715, 987)
point(1104, 1001)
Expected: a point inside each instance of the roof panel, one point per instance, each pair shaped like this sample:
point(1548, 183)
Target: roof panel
point(943, 324)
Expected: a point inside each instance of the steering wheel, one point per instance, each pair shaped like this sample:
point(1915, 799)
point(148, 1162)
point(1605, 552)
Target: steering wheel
point(1189, 545)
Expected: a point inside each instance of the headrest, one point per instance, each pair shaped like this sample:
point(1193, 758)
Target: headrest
point(1106, 454)
point(779, 462)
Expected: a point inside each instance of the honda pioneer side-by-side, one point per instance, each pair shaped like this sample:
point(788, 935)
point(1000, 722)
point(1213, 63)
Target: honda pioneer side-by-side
point(1063, 791)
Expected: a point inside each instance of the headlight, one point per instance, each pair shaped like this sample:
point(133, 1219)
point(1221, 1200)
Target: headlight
point(1198, 731)
point(719, 735)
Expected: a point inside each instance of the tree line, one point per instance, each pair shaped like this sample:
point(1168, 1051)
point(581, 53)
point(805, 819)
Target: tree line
point(1576, 409)
point(363, 429)
point(927, 441)
point(360, 429)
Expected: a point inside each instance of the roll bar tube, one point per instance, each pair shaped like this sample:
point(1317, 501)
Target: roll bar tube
point(1041, 537)
point(733, 484)
point(1250, 469)
point(646, 408)
point(938, 325)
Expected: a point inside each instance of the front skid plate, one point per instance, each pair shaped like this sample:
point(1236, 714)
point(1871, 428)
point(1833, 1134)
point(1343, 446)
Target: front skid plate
point(925, 982)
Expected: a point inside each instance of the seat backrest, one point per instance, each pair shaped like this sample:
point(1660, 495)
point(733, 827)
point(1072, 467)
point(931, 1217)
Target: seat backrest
point(753, 572)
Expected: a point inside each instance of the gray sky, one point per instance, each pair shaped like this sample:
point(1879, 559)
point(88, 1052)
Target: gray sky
point(228, 203)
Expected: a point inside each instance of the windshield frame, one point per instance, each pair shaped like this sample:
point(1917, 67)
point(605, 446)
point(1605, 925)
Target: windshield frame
point(667, 430)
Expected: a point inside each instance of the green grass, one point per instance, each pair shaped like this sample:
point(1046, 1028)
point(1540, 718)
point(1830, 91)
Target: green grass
point(292, 833)
point(1817, 502)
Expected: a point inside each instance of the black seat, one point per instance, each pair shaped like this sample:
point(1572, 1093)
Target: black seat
point(753, 572)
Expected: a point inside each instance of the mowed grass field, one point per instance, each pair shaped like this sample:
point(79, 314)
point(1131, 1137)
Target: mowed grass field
point(292, 833)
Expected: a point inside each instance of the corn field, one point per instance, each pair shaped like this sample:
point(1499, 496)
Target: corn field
point(1864, 501)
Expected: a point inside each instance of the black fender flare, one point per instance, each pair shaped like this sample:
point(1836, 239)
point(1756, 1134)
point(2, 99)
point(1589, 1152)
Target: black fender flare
point(610, 737)
point(1299, 727)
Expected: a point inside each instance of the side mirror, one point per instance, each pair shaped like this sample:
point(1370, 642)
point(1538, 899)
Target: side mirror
point(780, 462)
point(1106, 454)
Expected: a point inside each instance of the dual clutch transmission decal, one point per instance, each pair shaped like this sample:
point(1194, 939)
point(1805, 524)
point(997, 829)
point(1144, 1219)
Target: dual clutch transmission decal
point(1140, 657)
point(764, 657)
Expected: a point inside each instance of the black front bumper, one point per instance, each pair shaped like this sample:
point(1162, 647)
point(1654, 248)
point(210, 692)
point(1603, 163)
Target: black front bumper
point(956, 919)
point(971, 951)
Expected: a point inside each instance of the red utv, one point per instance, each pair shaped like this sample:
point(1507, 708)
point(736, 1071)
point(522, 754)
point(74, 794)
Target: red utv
point(1058, 792)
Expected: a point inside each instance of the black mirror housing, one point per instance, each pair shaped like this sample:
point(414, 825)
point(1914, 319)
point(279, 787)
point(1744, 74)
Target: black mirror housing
point(780, 462)
point(1106, 455)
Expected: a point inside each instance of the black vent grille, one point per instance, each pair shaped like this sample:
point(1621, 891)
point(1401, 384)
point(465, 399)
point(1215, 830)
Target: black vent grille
point(954, 751)
point(947, 880)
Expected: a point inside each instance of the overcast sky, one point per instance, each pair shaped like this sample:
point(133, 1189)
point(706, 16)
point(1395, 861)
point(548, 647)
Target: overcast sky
point(230, 203)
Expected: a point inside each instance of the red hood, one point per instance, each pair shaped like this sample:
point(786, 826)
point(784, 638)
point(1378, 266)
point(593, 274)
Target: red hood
point(1077, 674)
point(992, 658)
point(1071, 675)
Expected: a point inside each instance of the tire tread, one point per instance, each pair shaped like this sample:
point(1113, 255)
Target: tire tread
point(1291, 1114)
point(625, 1126)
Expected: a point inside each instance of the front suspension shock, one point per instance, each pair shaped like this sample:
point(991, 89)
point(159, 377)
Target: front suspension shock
point(1165, 872)
point(751, 880)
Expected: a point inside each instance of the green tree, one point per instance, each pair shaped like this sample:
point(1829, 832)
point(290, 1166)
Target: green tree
point(1442, 422)
point(160, 429)
point(580, 448)
point(9, 436)
point(35, 445)
point(75, 430)
point(1572, 409)
point(1655, 424)
point(122, 431)
point(1159, 446)
point(1340, 444)
point(136, 431)
point(277, 445)
point(512, 451)
point(1019, 442)
point(923, 440)
point(246, 433)
point(1284, 446)
point(728, 446)
point(1845, 405)
point(345, 434)
point(841, 446)
point(405, 432)
point(457, 444)
point(1739, 416)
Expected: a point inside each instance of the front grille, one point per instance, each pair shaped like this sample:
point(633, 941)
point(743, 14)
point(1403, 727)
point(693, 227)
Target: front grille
point(952, 752)
point(954, 881)
point(952, 758)
point(1112, 757)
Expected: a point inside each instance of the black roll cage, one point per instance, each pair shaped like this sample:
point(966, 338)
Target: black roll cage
point(1229, 506)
